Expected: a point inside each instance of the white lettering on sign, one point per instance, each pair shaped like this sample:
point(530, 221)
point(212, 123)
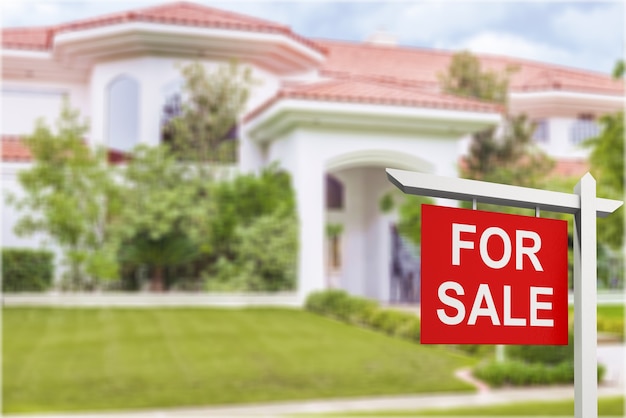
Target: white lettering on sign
point(483, 294)
point(535, 306)
point(521, 236)
point(508, 319)
point(484, 254)
point(484, 297)
point(457, 244)
point(450, 301)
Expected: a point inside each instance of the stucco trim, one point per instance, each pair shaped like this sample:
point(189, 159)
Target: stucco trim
point(285, 115)
point(379, 158)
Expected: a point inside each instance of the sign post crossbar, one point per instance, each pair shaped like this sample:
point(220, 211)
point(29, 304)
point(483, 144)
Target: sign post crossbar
point(585, 207)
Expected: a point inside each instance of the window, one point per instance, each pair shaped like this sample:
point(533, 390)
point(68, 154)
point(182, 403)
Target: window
point(583, 128)
point(542, 131)
point(122, 127)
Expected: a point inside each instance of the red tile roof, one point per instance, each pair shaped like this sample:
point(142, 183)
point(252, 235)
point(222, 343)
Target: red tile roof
point(14, 150)
point(355, 90)
point(570, 168)
point(180, 13)
point(421, 66)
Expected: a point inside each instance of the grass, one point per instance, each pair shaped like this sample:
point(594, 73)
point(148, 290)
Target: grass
point(606, 407)
point(605, 311)
point(611, 311)
point(107, 359)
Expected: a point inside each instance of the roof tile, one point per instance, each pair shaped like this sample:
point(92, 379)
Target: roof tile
point(354, 90)
point(14, 150)
point(179, 13)
point(422, 66)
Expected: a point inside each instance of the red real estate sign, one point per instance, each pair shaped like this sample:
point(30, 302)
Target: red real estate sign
point(492, 278)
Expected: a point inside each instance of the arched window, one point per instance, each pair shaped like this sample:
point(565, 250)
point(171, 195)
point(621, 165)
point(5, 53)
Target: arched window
point(122, 125)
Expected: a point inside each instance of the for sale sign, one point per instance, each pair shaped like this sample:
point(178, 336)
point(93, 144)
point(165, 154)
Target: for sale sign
point(492, 278)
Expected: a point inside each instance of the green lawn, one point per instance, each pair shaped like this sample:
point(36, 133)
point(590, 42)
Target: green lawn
point(98, 359)
point(605, 311)
point(606, 407)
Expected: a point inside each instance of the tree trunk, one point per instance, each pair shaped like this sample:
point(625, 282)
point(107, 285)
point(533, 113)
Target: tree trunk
point(157, 284)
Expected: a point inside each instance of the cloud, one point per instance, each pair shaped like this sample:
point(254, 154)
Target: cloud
point(502, 43)
point(431, 22)
point(600, 27)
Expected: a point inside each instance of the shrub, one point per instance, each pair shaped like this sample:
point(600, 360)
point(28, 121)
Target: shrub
point(544, 354)
point(360, 311)
point(390, 321)
point(410, 329)
point(331, 302)
point(519, 373)
point(26, 270)
point(254, 234)
point(611, 325)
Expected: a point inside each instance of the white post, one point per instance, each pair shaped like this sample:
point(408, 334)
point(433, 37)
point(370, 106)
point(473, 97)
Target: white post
point(585, 290)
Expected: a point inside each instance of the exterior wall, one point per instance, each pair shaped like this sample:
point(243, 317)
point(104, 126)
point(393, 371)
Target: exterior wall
point(306, 153)
point(24, 103)
point(559, 142)
point(10, 216)
point(157, 77)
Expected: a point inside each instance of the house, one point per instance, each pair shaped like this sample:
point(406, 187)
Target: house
point(333, 114)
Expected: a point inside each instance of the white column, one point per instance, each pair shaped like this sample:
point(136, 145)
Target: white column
point(585, 294)
point(308, 181)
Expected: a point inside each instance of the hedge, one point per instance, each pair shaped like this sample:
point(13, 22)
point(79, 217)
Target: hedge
point(520, 373)
point(364, 312)
point(25, 270)
point(545, 354)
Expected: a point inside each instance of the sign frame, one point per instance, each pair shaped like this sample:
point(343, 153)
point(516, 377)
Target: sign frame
point(585, 206)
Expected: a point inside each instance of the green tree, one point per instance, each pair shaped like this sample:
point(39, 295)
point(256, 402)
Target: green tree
point(254, 240)
point(506, 154)
point(165, 215)
point(509, 156)
point(70, 195)
point(607, 166)
point(211, 104)
point(465, 77)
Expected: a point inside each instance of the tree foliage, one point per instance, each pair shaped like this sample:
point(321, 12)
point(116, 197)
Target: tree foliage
point(505, 154)
point(607, 166)
point(465, 77)
point(70, 195)
point(211, 104)
point(254, 233)
point(509, 156)
point(165, 216)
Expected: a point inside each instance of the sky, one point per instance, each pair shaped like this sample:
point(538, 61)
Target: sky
point(588, 35)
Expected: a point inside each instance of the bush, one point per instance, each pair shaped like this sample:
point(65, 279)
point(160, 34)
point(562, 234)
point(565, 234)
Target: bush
point(253, 245)
point(390, 321)
point(26, 270)
point(329, 302)
point(544, 354)
point(611, 326)
point(360, 311)
point(519, 373)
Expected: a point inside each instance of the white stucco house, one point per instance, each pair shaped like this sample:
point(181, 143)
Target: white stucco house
point(333, 114)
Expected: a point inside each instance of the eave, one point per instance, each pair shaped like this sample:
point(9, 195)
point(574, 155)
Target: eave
point(286, 115)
